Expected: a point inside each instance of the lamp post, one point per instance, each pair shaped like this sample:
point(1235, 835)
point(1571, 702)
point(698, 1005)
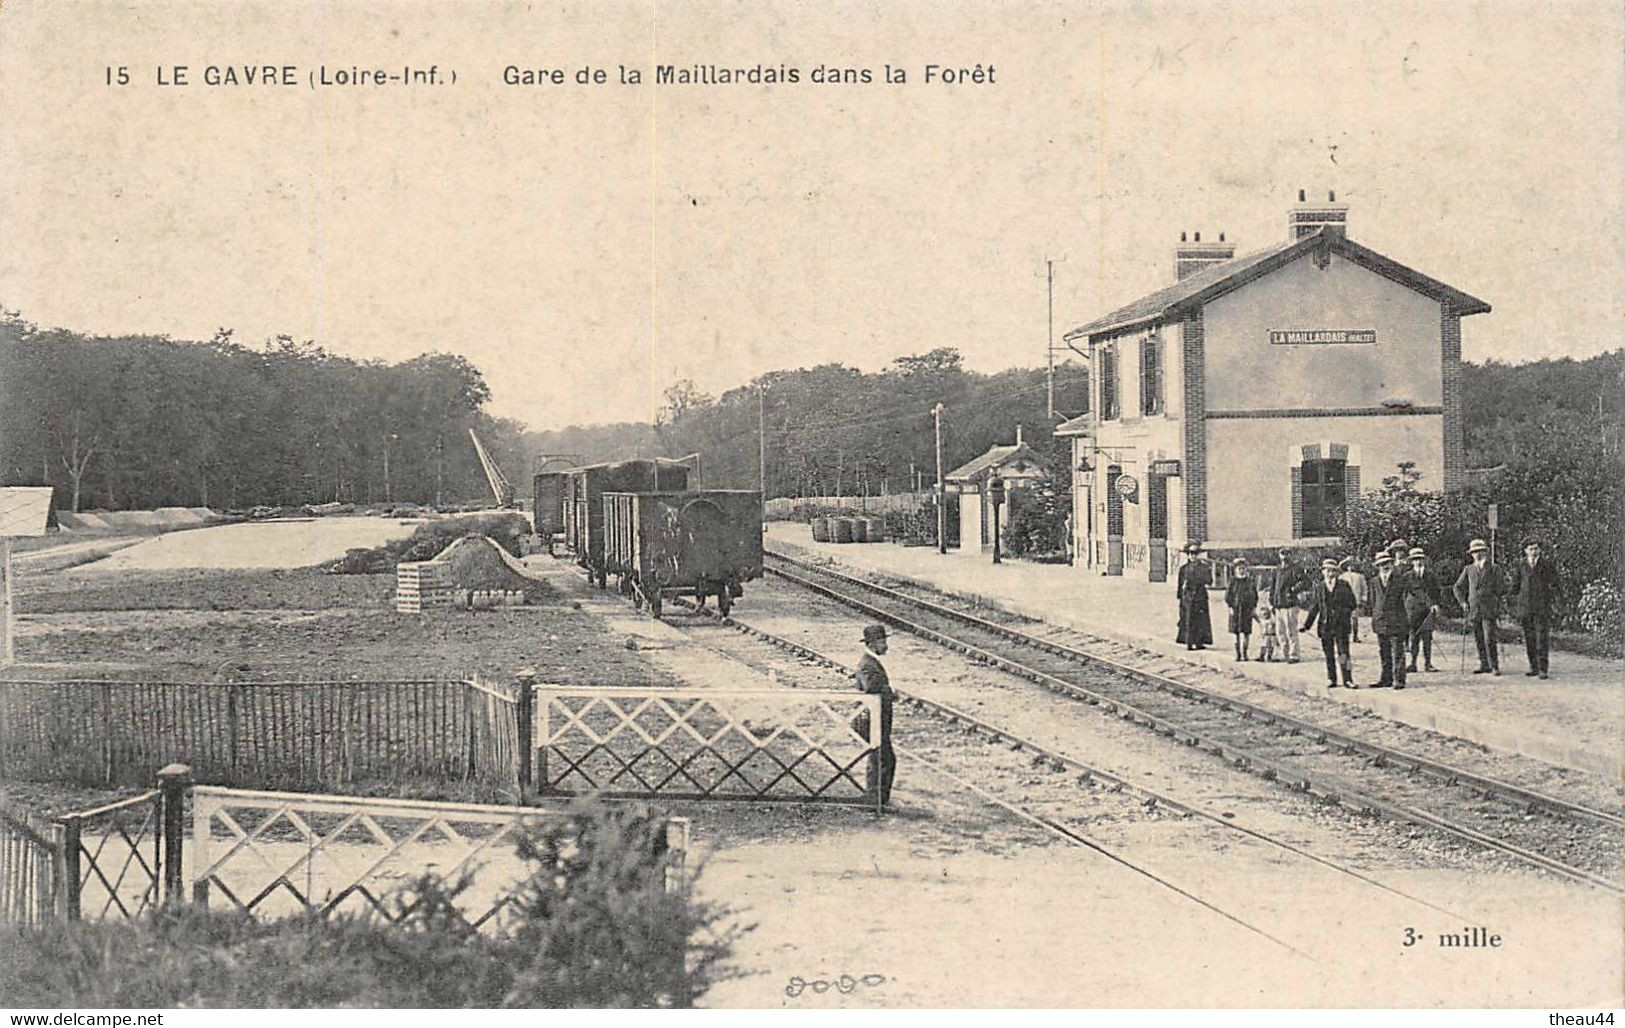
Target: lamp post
point(995, 489)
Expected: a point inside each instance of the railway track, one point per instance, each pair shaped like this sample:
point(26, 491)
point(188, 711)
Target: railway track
point(1043, 785)
point(1572, 840)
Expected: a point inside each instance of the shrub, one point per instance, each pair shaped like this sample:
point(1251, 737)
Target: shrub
point(595, 927)
point(1600, 610)
point(1566, 492)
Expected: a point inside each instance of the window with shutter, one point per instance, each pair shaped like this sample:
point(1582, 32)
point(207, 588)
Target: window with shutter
point(1151, 376)
point(1109, 407)
point(1324, 496)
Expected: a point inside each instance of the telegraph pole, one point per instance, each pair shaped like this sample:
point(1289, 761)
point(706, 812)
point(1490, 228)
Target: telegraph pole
point(942, 492)
point(1049, 263)
point(761, 438)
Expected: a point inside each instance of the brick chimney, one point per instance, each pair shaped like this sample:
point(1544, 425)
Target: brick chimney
point(1308, 218)
point(1192, 255)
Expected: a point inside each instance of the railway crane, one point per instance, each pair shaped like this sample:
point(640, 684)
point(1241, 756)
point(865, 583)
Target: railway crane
point(500, 486)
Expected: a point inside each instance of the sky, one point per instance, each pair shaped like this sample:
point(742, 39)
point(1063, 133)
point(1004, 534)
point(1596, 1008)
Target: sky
point(586, 246)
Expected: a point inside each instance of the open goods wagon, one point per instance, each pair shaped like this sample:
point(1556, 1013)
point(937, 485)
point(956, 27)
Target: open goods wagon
point(699, 544)
point(583, 503)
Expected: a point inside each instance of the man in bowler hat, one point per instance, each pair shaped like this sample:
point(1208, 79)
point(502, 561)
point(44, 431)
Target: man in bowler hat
point(1533, 588)
point(871, 677)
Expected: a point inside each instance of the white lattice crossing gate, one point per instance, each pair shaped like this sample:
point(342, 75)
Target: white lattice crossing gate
point(733, 744)
point(276, 854)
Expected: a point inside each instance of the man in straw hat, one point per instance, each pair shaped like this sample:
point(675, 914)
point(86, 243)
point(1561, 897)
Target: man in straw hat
point(871, 677)
point(1332, 605)
point(1422, 608)
point(1479, 590)
point(1389, 621)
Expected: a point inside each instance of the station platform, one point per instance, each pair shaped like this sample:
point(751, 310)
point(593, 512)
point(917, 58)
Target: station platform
point(1575, 719)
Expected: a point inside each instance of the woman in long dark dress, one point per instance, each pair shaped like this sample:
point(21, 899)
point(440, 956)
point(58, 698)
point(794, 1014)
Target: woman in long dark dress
point(1241, 596)
point(1195, 624)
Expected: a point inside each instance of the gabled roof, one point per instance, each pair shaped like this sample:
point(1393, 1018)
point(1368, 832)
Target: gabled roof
point(1079, 425)
point(1198, 288)
point(996, 456)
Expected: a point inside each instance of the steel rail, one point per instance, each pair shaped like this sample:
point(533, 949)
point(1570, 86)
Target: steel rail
point(1074, 836)
point(1087, 773)
point(1290, 776)
point(1446, 773)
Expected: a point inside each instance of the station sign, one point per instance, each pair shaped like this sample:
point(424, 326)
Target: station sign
point(1301, 336)
point(1165, 468)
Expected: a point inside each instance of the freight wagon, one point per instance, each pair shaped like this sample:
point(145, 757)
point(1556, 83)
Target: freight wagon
point(700, 544)
point(547, 505)
point(583, 503)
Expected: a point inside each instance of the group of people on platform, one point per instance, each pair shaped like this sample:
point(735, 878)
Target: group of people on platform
point(1402, 595)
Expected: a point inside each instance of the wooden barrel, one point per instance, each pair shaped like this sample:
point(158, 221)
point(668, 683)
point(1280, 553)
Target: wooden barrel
point(876, 530)
point(860, 530)
point(820, 530)
point(841, 530)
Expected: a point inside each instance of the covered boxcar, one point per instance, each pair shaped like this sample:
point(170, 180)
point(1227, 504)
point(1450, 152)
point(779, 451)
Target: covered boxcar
point(701, 544)
point(584, 489)
point(547, 505)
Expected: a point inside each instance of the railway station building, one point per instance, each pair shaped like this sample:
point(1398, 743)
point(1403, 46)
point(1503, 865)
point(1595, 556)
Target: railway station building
point(1244, 405)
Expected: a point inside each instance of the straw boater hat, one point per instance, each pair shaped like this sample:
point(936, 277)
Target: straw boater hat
point(1240, 562)
point(1382, 559)
point(1193, 547)
point(1346, 562)
point(1417, 553)
point(874, 633)
point(1328, 565)
point(1399, 545)
point(1478, 546)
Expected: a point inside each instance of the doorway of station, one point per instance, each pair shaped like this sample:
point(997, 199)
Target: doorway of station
point(1156, 514)
point(1114, 521)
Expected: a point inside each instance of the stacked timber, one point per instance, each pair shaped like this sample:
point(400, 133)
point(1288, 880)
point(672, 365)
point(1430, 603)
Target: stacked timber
point(421, 585)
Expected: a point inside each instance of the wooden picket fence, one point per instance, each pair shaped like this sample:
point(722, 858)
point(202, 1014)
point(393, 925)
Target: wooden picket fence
point(494, 737)
point(262, 734)
point(31, 869)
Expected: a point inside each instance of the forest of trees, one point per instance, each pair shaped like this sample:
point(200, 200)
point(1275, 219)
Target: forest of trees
point(834, 430)
point(144, 421)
